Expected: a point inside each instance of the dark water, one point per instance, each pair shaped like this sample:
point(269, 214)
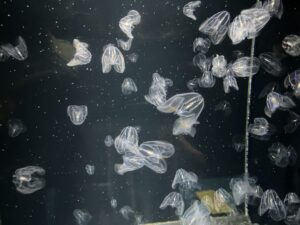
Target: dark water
point(39, 89)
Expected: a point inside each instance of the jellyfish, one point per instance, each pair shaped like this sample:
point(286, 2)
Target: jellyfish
point(271, 64)
point(113, 203)
point(245, 67)
point(184, 179)
point(3, 55)
point(219, 66)
point(201, 45)
point(82, 55)
point(293, 80)
point(112, 57)
point(133, 57)
point(90, 169)
point(128, 22)
point(260, 127)
point(274, 7)
point(291, 44)
point(238, 142)
point(277, 101)
point(216, 26)
point(125, 45)
point(77, 113)
point(18, 52)
point(128, 86)
point(229, 81)
point(271, 202)
point(15, 127)
point(175, 200)
point(282, 156)
point(207, 80)
point(239, 29)
point(82, 216)
point(127, 139)
point(189, 9)
point(108, 141)
point(126, 211)
point(29, 179)
point(224, 106)
point(293, 122)
point(185, 126)
point(192, 84)
point(196, 214)
point(156, 149)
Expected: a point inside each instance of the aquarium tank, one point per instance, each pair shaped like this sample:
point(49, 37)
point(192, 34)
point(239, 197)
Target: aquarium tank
point(161, 112)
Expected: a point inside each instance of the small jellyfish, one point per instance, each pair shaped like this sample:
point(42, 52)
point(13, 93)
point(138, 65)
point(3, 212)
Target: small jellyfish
point(113, 203)
point(291, 45)
point(157, 94)
point(133, 57)
point(293, 122)
point(82, 55)
point(29, 179)
point(189, 9)
point(291, 202)
point(82, 216)
point(192, 84)
point(282, 156)
point(3, 55)
point(128, 22)
point(260, 127)
point(90, 169)
point(207, 80)
point(196, 214)
point(245, 67)
point(18, 52)
point(128, 86)
point(238, 142)
point(126, 211)
point(184, 178)
point(224, 106)
point(131, 162)
point(271, 64)
point(216, 26)
point(201, 45)
point(277, 101)
point(125, 45)
point(112, 57)
point(219, 66)
point(108, 141)
point(293, 80)
point(175, 200)
point(156, 149)
point(202, 62)
point(77, 113)
point(271, 202)
point(229, 81)
point(126, 140)
point(239, 29)
point(15, 127)
point(274, 7)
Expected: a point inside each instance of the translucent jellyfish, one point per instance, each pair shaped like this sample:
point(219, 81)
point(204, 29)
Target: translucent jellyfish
point(229, 81)
point(18, 52)
point(291, 45)
point(239, 29)
point(291, 202)
point(131, 162)
point(90, 169)
point(157, 94)
point(184, 125)
point(175, 200)
point(243, 67)
point(108, 141)
point(293, 122)
point(271, 202)
point(207, 80)
point(271, 64)
point(82, 216)
point(223, 106)
point(128, 86)
point(189, 9)
point(82, 55)
point(282, 156)
point(29, 179)
point(219, 66)
point(156, 149)
point(202, 62)
point(242, 187)
point(201, 45)
point(113, 203)
point(125, 45)
point(291, 198)
point(185, 179)
point(15, 127)
point(259, 17)
point(274, 7)
point(222, 199)
point(238, 142)
point(128, 139)
point(196, 214)
point(112, 57)
point(3, 55)
point(293, 80)
point(126, 211)
point(133, 57)
point(277, 101)
point(192, 84)
point(260, 127)
point(216, 26)
point(77, 113)
point(128, 22)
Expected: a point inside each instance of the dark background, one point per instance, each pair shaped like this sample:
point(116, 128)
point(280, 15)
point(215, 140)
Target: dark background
point(39, 89)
